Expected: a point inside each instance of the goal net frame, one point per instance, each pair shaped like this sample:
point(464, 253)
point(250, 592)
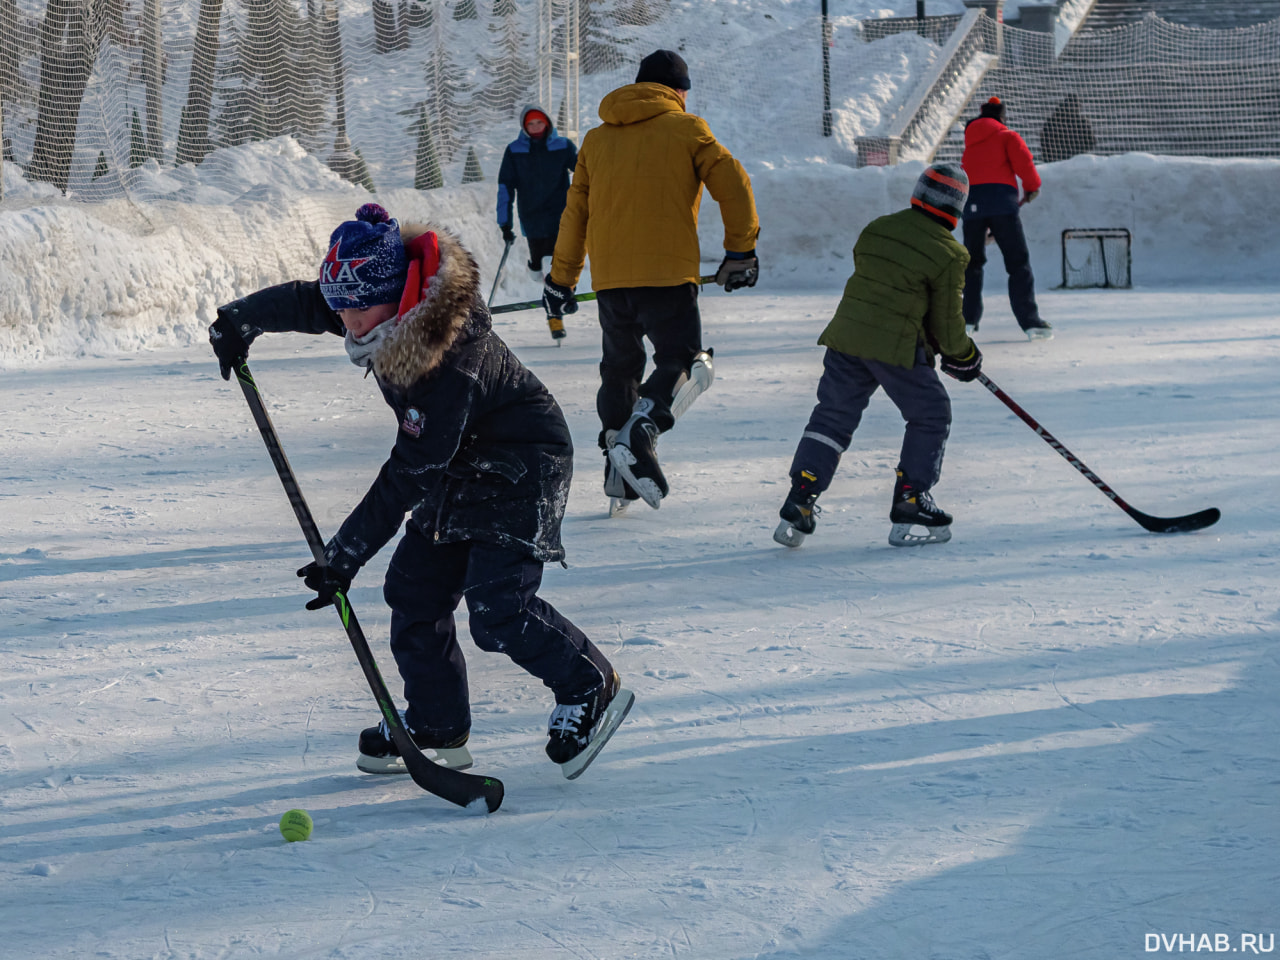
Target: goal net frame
point(1107, 264)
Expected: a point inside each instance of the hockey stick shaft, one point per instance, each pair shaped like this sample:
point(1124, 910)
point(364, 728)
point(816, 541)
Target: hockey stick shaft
point(1193, 521)
point(452, 785)
point(581, 298)
point(498, 276)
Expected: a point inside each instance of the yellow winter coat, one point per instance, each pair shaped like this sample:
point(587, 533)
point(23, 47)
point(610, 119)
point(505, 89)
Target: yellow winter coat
point(633, 205)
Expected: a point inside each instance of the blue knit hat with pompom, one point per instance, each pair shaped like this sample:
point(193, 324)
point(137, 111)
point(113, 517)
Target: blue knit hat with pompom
point(366, 264)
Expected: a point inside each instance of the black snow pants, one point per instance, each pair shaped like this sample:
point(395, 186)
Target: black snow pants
point(669, 317)
point(425, 582)
point(1006, 229)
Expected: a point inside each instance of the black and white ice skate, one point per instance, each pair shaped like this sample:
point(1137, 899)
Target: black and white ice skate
point(799, 519)
point(379, 754)
point(577, 732)
point(620, 495)
point(633, 452)
point(916, 519)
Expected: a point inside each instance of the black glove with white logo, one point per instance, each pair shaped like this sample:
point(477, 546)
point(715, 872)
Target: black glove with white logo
point(738, 270)
point(558, 301)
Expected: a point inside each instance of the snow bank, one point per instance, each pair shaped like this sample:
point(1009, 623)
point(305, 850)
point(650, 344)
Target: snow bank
point(78, 279)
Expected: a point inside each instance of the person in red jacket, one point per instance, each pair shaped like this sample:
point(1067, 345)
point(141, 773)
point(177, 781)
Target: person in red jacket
point(996, 158)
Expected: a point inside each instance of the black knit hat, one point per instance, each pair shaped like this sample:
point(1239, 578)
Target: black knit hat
point(664, 66)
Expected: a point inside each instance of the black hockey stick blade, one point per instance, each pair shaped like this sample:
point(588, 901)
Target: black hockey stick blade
point(465, 789)
point(1192, 521)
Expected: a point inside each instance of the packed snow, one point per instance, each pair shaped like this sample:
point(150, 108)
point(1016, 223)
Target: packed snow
point(1054, 736)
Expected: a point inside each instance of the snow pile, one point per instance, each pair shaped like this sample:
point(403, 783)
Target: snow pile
point(81, 279)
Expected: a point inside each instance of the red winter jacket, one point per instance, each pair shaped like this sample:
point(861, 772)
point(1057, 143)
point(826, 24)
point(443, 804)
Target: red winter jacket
point(994, 154)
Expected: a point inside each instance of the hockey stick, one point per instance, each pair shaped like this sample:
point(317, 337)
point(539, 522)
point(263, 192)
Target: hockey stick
point(1192, 521)
point(581, 298)
point(498, 276)
point(464, 789)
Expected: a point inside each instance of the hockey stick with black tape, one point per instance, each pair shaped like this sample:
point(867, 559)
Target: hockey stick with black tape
point(1192, 521)
point(464, 789)
point(498, 276)
point(581, 298)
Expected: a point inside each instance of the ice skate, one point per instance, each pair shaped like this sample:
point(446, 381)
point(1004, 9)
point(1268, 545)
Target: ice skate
point(578, 731)
point(379, 753)
point(914, 511)
point(536, 276)
point(799, 518)
point(1038, 330)
point(620, 495)
point(632, 453)
point(557, 329)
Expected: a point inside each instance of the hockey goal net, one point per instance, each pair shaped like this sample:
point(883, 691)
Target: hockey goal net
point(1095, 258)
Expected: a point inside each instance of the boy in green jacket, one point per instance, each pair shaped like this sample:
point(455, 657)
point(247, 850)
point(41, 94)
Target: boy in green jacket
point(901, 307)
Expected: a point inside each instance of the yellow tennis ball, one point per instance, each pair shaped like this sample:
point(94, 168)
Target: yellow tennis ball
point(296, 825)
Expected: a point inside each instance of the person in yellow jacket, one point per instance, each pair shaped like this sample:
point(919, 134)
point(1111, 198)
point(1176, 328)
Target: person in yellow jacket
point(633, 209)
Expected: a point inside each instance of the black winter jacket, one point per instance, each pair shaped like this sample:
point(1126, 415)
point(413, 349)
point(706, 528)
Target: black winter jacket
point(482, 451)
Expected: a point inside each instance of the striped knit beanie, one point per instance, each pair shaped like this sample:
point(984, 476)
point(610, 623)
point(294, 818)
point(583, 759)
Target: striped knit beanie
point(942, 190)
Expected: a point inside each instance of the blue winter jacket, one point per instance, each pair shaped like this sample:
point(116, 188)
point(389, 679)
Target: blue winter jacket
point(535, 173)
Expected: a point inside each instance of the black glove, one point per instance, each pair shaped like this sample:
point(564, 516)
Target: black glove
point(325, 581)
point(738, 270)
point(230, 342)
point(558, 301)
point(508, 234)
point(964, 369)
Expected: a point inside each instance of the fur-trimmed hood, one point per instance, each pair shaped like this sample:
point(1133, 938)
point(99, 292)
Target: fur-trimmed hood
point(437, 310)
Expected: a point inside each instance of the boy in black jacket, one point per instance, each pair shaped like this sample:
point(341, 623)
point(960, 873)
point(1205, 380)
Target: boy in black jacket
point(482, 460)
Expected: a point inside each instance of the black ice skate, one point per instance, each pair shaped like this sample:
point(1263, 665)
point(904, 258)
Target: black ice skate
point(579, 731)
point(915, 508)
point(557, 329)
point(379, 753)
point(798, 513)
point(633, 453)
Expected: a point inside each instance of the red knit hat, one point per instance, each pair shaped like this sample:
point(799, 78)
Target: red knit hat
point(536, 114)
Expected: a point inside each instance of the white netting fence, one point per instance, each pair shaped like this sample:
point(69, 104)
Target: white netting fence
point(1152, 87)
point(103, 99)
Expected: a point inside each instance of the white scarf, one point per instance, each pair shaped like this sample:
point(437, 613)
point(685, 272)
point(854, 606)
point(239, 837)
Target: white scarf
point(362, 349)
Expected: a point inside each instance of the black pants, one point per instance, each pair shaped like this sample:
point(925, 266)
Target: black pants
point(843, 394)
point(540, 247)
point(1007, 231)
point(426, 580)
point(669, 317)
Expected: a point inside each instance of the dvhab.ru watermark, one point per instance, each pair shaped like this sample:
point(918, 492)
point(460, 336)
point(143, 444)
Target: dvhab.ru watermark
point(1210, 943)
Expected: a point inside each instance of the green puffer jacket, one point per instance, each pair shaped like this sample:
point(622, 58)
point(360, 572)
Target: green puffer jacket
point(906, 288)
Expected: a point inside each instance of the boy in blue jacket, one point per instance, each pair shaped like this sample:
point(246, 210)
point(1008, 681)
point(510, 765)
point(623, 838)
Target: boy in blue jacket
point(535, 172)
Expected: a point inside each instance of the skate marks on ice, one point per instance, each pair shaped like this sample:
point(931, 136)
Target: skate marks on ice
point(1049, 736)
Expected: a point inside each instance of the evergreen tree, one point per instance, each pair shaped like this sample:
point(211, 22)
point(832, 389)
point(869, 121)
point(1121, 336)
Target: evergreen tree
point(100, 168)
point(137, 142)
point(447, 91)
point(511, 73)
point(471, 172)
point(466, 10)
point(427, 171)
